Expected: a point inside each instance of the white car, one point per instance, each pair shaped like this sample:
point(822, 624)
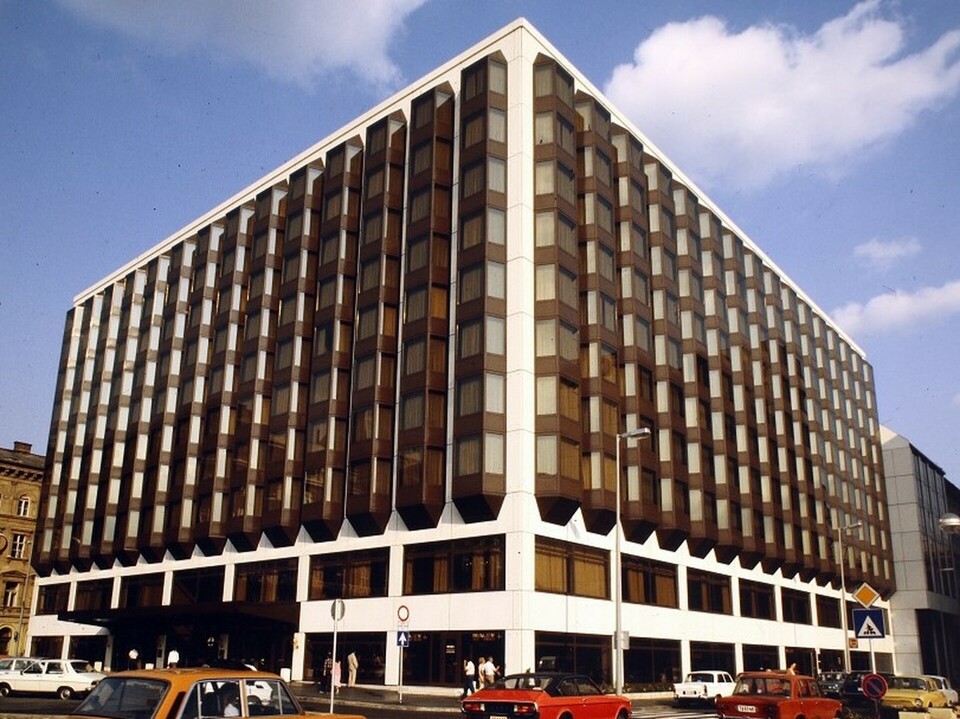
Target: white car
point(64, 677)
point(943, 684)
point(704, 686)
point(17, 664)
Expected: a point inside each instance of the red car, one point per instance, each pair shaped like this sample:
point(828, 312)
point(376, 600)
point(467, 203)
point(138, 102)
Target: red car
point(545, 695)
point(777, 695)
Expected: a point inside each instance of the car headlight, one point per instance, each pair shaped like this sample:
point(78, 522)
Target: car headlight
point(918, 702)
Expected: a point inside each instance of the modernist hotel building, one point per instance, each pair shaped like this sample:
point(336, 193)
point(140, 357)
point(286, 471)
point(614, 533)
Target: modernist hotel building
point(397, 370)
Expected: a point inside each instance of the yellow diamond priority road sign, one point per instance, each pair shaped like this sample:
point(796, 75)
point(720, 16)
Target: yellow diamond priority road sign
point(866, 595)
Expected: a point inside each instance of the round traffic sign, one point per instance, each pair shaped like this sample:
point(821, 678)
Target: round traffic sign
point(874, 686)
point(403, 613)
point(338, 609)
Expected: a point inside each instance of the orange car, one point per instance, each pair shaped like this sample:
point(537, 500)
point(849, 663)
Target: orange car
point(777, 695)
point(545, 695)
point(189, 694)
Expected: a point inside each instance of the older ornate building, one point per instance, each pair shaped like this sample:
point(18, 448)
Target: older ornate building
point(397, 371)
point(21, 478)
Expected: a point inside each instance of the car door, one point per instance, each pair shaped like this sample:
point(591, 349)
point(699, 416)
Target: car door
point(53, 677)
point(29, 680)
point(595, 703)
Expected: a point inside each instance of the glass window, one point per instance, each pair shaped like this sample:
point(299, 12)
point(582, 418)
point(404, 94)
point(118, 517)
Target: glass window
point(496, 338)
point(708, 592)
point(496, 175)
point(471, 283)
point(463, 565)
point(543, 128)
point(570, 568)
point(646, 581)
point(349, 575)
point(416, 305)
point(496, 226)
point(470, 340)
point(497, 125)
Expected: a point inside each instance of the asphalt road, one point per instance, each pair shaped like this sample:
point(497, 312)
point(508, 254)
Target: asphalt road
point(44, 705)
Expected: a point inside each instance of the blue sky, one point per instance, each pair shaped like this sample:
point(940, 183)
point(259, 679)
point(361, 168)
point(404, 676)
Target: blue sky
point(829, 132)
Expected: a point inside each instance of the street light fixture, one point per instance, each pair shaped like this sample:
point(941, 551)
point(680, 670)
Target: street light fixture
point(843, 593)
point(950, 523)
point(617, 566)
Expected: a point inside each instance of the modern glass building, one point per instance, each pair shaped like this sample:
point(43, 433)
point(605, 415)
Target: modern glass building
point(397, 371)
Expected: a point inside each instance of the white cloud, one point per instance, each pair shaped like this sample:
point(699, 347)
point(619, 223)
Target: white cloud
point(896, 310)
point(752, 105)
point(882, 255)
point(293, 40)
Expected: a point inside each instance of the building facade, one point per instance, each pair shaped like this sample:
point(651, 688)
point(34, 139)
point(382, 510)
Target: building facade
point(396, 371)
point(21, 478)
point(926, 608)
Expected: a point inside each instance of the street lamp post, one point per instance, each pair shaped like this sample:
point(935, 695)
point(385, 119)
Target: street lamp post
point(23, 601)
point(617, 567)
point(843, 593)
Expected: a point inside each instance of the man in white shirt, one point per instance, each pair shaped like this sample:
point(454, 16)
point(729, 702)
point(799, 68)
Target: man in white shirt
point(469, 677)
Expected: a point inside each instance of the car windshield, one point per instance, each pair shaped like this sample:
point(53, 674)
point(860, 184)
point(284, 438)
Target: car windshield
point(769, 686)
point(915, 683)
point(526, 681)
point(79, 665)
point(699, 677)
point(124, 698)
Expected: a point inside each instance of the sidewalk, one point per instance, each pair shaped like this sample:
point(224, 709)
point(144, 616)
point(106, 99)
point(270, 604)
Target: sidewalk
point(438, 700)
point(422, 699)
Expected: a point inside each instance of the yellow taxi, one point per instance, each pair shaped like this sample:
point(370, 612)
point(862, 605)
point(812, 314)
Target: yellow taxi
point(204, 693)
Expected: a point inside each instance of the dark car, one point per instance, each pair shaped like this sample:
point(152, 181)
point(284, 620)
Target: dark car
point(852, 690)
point(545, 695)
point(831, 683)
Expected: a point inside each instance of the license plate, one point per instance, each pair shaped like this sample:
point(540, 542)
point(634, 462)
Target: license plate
point(498, 716)
point(746, 709)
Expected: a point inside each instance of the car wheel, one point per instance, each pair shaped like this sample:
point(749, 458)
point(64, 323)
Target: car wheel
point(623, 715)
point(4, 690)
point(65, 693)
point(253, 700)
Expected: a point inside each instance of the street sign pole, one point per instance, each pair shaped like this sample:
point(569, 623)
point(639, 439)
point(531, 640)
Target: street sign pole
point(403, 615)
point(337, 611)
point(400, 685)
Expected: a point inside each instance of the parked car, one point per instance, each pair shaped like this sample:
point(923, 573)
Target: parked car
point(831, 683)
point(545, 695)
point(943, 684)
point(852, 690)
point(190, 694)
point(64, 677)
point(703, 686)
point(912, 693)
point(16, 664)
point(777, 695)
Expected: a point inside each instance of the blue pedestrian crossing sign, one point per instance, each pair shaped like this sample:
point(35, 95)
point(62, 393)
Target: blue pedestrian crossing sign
point(403, 638)
point(868, 623)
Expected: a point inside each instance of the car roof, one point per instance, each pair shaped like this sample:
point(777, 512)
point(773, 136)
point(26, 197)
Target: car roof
point(195, 673)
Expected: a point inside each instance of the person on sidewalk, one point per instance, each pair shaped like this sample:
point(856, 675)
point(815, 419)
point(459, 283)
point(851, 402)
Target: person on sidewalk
point(352, 665)
point(489, 672)
point(469, 677)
